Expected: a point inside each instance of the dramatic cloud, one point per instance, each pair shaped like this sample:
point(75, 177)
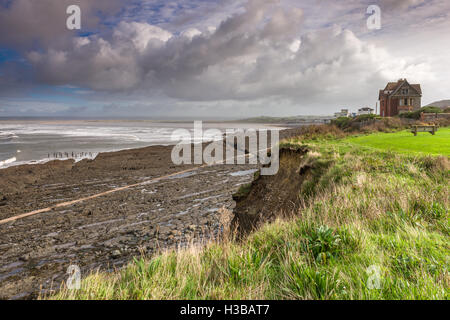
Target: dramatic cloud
point(309, 57)
point(139, 54)
point(253, 54)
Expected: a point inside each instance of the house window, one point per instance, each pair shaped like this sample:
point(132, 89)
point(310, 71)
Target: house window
point(406, 102)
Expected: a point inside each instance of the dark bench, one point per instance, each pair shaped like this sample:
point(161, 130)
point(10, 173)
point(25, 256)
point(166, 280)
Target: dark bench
point(416, 128)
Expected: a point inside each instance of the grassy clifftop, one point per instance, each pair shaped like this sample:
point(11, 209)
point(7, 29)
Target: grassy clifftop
point(373, 224)
point(405, 142)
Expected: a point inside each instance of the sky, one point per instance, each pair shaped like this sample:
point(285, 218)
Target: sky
point(210, 59)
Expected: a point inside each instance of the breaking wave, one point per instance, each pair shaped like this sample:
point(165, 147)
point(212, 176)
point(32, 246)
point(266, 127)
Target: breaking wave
point(7, 161)
point(7, 136)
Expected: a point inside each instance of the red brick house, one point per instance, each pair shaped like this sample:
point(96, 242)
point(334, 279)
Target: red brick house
point(398, 97)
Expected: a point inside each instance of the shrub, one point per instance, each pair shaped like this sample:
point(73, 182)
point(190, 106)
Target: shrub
point(341, 122)
point(416, 114)
point(365, 117)
point(323, 243)
point(431, 109)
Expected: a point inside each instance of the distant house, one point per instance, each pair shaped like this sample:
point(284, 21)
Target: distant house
point(398, 97)
point(365, 110)
point(342, 113)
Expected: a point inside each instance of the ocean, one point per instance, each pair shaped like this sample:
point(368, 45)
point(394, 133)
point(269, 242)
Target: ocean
point(36, 141)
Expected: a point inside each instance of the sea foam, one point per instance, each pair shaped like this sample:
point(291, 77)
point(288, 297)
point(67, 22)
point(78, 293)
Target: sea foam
point(7, 161)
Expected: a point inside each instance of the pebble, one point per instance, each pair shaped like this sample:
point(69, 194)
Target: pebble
point(116, 253)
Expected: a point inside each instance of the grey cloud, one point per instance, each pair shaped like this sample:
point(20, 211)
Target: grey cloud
point(27, 23)
point(399, 4)
point(245, 61)
point(246, 57)
point(142, 55)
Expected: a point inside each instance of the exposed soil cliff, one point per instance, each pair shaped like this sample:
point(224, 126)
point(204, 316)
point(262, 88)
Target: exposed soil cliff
point(271, 196)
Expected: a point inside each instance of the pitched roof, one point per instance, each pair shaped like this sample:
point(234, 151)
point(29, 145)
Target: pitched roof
point(417, 87)
point(394, 86)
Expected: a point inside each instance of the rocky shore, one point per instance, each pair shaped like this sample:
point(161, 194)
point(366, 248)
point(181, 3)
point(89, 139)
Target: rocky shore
point(108, 231)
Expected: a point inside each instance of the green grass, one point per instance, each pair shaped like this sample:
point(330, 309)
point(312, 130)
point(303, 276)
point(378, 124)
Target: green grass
point(371, 216)
point(406, 142)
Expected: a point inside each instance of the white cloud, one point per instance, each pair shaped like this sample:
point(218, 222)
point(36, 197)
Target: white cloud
point(191, 33)
point(244, 59)
point(141, 34)
point(295, 45)
point(79, 42)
